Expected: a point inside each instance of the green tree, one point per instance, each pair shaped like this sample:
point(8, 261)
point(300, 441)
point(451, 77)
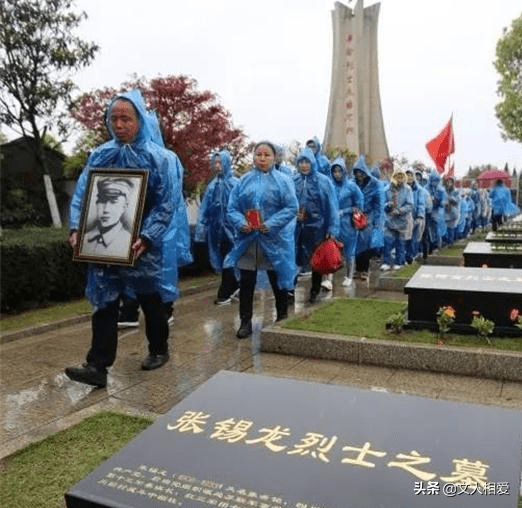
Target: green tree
point(508, 64)
point(38, 53)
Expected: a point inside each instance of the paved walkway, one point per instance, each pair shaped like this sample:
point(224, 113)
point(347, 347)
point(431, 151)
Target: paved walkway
point(38, 399)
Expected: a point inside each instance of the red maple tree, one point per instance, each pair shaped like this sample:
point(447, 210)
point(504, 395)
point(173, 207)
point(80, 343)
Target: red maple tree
point(194, 122)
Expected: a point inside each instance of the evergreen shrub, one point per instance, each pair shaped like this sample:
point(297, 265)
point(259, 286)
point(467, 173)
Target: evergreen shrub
point(36, 268)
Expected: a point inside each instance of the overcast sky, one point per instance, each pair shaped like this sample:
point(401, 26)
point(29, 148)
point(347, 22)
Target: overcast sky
point(270, 63)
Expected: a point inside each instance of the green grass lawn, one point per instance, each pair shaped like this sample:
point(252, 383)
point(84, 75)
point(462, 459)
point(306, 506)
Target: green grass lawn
point(58, 311)
point(38, 475)
point(366, 317)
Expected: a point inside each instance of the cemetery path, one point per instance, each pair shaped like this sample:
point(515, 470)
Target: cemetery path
point(38, 399)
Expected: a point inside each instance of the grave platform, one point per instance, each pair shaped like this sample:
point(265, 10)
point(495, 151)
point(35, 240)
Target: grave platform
point(486, 255)
point(494, 292)
point(507, 237)
point(251, 441)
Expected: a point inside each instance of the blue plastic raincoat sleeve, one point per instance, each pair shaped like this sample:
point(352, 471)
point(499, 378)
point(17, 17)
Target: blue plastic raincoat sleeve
point(288, 211)
point(75, 208)
point(333, 213)
point(202, 221)
point(156, 223)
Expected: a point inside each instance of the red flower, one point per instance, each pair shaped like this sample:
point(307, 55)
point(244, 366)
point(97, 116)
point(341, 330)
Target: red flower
point(514, 314)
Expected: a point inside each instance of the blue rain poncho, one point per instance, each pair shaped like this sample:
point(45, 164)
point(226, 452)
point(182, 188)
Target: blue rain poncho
point(398, 208)
point(323, 163)
point(349, 198)
point(419, 201)
point(475, 196)
point(273, 194)
point(372, 236)
point(318, 200)
point(452, 208)
point(279, 164)
point(106, 283)
point(435, 221)
point(501, 202)
point(212, 225)
point(179, 229)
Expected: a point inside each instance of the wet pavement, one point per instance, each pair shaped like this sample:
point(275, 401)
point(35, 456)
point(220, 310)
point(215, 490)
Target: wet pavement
point(37, 399)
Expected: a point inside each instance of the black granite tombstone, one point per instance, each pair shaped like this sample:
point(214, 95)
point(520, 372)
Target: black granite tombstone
point(251, 441)
point(486, 255)
point(495, 293)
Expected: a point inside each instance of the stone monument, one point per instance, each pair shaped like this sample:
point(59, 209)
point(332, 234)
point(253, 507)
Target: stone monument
point(354, 114)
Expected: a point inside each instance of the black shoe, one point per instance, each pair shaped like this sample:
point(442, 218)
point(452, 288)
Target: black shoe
point(154, 361)
point(87, 374)
point(244, 330)
point(314, 298)
point(281, 316)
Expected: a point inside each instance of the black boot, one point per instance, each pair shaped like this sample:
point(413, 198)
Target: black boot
point(245, 330)
point(316, 287)
point(314, 297)
point(281, 297)
point(246, 302)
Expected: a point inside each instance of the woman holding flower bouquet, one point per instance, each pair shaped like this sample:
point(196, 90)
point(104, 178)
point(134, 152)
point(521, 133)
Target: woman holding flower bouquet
point(262, 212)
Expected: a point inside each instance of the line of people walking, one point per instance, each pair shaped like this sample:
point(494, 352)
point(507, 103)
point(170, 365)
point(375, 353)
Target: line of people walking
point(270, 219)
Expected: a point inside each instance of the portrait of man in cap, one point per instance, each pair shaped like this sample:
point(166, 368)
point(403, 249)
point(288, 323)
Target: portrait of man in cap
point(108, 232)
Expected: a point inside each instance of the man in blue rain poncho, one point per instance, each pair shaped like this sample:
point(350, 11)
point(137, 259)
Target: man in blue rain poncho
point(398, 220)
point(318, 213)
point(371, 238)
point(323, 163)
point(212, 225)
point(131, 147)
point(435, 221)
point(350, 199)
point(262, 211)
point(178, 231)
point(418, 216)
point(502, 205)
point(477, 212)
point(451, 210)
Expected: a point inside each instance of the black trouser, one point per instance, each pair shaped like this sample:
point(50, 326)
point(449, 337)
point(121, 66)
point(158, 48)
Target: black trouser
point(105, 330)
point(228, 277)
point(496, 221)
point(316, 283)
point(228, 283)
point(130, 309)
point(247, 286)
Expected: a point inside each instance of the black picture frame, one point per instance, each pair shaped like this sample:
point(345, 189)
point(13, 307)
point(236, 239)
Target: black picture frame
point(111, 215)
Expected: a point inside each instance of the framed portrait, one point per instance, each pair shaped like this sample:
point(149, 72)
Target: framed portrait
point(111, 216)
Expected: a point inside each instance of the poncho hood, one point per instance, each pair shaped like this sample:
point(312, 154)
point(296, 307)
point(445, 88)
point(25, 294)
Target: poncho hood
point(307, 154)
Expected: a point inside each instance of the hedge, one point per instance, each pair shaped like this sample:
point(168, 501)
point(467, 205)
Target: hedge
point(37, 268)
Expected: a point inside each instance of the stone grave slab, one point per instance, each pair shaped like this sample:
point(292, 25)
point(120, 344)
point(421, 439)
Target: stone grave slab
point(252, 441)
point(494, 292)
point(504, 237)
point(484, 254)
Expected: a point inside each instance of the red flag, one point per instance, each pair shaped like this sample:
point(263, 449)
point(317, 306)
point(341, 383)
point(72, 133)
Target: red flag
point(441, 146)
